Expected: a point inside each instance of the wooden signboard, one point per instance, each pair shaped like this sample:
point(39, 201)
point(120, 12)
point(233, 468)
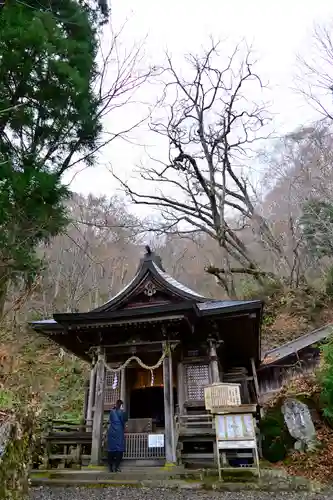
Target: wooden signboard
point(235, 432)
point(218, 395)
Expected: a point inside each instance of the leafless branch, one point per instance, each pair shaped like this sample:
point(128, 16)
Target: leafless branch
point(210, 127)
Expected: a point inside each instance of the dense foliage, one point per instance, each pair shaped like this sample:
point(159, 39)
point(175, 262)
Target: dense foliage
point(19, 452)
point(326, 380)
point(30, 362)
point(276, 440)
point(317, 227)
point(49, 119)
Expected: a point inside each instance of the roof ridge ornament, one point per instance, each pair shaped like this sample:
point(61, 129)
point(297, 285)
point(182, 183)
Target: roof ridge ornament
point(151, 256)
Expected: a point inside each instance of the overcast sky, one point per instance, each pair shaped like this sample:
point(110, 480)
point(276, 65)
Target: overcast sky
point(277, 31)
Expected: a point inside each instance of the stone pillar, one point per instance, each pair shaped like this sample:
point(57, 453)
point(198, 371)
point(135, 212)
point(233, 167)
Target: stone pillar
point(97, 431)
point(123, 395)
point(214, 365)
point(91, 397)
point(168, 412)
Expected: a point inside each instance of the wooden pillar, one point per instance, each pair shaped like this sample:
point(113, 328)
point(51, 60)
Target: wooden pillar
point(168, 412)
point(214, 365)
point(91, 397)
point(172, 412)
point(123, 394)
point(97, 432)
point(85, 403)
point(181, 387)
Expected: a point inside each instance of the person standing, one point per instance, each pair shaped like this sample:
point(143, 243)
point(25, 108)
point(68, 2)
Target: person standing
point(116, 436)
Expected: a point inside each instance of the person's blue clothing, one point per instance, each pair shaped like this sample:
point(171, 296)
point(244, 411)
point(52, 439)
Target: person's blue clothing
point(116, 432)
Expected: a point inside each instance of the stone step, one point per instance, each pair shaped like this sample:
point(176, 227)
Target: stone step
point(232, 480)
point(102, 474)
point(258, 485)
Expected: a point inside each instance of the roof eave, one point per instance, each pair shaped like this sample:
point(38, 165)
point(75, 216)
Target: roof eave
point(181, 293)
point(145, 312)
point(41, 326)
point(241, 307)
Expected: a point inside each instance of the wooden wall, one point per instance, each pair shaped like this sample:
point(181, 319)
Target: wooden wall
point(272, 377)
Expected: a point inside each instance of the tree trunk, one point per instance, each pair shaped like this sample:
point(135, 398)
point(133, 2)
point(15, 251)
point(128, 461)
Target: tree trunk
point(4, 282)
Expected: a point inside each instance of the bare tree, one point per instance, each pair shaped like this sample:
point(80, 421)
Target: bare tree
point(298, 170)
point(89, 263)
point(315, 71)
point(121, 73)
point(205, 186)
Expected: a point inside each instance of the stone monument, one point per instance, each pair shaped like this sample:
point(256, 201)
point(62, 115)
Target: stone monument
point(300, 425)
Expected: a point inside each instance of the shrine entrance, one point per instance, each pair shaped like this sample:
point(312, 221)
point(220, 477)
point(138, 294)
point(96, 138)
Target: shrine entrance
point(148, 402)
point(146, 396)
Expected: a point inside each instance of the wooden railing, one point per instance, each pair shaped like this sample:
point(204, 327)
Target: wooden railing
point(137, 448)
point(70, 443)
point(204, 421)
point(66, 442)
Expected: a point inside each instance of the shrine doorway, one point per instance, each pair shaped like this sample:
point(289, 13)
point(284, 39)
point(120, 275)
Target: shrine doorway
point(148, 402)
point(146, 396)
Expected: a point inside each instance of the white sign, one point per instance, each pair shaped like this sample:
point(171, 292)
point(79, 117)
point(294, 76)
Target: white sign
point(236, 445)
point(155, 440)
point(231, 427)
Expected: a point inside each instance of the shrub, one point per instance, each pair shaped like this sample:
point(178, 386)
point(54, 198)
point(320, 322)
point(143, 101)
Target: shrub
point(19, 451)
point(276, 440)
point(329, 283)
point(326, 379)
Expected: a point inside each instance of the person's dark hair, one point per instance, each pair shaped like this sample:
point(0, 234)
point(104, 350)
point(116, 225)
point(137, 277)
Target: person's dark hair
point(119, 403)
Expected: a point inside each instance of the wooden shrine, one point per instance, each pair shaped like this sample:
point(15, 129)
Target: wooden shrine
point(156, 345)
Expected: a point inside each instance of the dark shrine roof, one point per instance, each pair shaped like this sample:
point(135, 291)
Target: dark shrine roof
point(151, 296)
point(150, 268)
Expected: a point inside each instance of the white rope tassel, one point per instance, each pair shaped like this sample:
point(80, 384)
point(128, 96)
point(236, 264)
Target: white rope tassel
point(115, 382)
point(152, 378)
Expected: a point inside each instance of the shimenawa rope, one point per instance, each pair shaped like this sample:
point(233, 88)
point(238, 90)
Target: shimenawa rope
point(143, 365)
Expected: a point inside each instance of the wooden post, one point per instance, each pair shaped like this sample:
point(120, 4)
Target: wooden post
point(97, 432)
point(85, 403)
point(172, 411)
point(168, 412)
point(123, 387)
point(181, 387)
point(214, 365)
point(255, 378)
point(91, 397)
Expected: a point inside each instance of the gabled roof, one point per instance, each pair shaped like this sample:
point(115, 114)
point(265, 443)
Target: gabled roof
point(153, 297)
point(150, 268)
point(275, 355)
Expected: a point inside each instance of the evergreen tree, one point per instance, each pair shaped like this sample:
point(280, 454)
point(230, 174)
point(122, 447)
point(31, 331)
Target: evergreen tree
point(317, 228)
point(49, 120)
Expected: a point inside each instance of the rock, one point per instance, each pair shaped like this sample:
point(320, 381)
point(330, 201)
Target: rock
point(298, 419)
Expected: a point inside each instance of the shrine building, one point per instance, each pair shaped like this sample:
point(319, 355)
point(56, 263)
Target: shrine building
point(156, 345)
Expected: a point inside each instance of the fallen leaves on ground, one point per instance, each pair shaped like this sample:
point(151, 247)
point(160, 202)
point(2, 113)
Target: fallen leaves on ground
point(317, 465)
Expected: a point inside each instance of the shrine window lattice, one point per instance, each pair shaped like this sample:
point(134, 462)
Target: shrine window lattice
point(197, 378)
point(112, 388)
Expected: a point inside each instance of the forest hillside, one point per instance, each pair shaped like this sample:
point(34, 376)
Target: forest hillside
point(235, 211)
